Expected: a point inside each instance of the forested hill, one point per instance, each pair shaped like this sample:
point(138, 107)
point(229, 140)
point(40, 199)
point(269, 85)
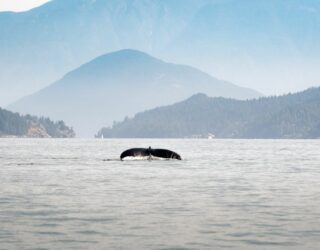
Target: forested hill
point(289, 116)
point(15, 125)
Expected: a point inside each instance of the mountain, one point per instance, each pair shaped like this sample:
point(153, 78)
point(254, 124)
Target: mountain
point(269, 45)
point(41, 45)
point(287, 116)
point(15, 125)
point(119, 84)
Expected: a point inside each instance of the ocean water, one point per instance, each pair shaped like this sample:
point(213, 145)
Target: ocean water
point(225, 194)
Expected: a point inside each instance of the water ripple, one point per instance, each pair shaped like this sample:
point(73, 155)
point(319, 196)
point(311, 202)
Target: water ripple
point(226, 194)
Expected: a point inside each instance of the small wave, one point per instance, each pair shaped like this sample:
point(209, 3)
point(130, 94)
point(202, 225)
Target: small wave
point(49, 233)
point(26, 164)
point(145, 158)
point(138, 158)
point(110, 159)
point(89, 232)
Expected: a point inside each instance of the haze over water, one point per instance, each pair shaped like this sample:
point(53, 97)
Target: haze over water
point(240, 194)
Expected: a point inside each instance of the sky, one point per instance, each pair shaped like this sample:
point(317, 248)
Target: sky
point(20, 5)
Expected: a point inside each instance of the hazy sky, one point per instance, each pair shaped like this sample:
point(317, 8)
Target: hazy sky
point(19, 5)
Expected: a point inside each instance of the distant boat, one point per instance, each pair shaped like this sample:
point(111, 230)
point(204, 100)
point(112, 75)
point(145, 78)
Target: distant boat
point(211, 136)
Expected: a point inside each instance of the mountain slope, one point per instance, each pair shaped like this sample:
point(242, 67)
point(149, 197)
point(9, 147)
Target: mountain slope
point(15, 125)
point(41, 45)
point(289, 116)
point(119, 84)
point(269, 45)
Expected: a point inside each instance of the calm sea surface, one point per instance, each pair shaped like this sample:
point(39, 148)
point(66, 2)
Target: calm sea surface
point(240, 194)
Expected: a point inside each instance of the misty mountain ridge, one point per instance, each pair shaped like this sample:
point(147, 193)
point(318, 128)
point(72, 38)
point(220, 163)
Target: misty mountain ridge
point(121, 84)
point(288, 116)
point(45, 43)
point(267, 42)
point(264, 44)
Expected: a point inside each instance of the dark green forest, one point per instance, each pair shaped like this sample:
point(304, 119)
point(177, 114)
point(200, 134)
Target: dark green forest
point(288, 116)
point(16, 125)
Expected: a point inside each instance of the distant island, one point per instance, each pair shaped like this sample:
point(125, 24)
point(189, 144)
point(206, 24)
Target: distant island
point(16, 125)
point(285, 117)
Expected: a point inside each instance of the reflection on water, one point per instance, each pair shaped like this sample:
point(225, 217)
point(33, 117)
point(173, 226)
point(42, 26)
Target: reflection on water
point(77, 194)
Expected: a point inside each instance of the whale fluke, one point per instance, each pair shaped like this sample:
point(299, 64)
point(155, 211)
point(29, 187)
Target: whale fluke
point(134, 152)
point(165, 153)
point(142, 152)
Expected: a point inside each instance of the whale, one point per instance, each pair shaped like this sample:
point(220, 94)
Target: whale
point(150, 152)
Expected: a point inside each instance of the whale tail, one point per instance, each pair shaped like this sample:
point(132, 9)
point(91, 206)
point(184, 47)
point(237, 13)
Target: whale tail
point(135, 152)
point(165, 153)
point(142, 152)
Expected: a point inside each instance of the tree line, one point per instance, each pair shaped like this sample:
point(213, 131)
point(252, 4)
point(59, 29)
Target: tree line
point(288, 116)
point(14, 124)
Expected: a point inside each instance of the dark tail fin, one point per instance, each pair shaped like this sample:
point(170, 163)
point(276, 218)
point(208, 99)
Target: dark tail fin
point(165, 153)
point(134, 152)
